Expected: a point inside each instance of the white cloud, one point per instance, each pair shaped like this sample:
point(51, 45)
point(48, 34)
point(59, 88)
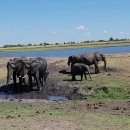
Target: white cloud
point(81, 28)
point(53, 33)
point(121, 33)
point(105, 32)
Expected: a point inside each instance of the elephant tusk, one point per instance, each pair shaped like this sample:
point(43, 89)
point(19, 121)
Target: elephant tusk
point(24, 76)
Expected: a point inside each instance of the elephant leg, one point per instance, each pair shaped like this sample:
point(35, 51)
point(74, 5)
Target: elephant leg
point(96, 68)
point(30, 81)
point(24, 80)
point(81, 76)
point(38, 83)
point(37, 80)
point(14, 78)
point(20, 81)
point(71, 66)
point(41, 81)
point(89, 75)
point(73, 77)
point(85, 76)
point(45, 76)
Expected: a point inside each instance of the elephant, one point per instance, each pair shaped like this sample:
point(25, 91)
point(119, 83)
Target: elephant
point(88, 59)
point(14, 68)
point(80, 69)
point(37, 68)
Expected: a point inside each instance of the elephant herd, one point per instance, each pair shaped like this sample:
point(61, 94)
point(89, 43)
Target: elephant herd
point(80, 64)
point(35, 69)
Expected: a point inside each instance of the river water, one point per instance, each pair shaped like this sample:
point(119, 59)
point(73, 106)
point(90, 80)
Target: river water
point(66, 53)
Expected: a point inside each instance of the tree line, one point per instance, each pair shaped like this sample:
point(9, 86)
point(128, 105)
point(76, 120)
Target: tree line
point(72, 42)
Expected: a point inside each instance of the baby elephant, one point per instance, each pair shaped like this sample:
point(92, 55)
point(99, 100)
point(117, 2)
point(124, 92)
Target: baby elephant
point(79, 69)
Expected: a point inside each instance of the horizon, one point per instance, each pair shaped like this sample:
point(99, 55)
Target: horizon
point(47, 21)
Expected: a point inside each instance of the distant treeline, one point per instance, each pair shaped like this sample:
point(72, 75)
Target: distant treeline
point(45, 44)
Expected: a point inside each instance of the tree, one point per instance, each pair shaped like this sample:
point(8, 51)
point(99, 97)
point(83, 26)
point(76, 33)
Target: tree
point(29, 44)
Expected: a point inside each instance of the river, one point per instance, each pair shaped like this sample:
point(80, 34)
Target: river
point(66, 53)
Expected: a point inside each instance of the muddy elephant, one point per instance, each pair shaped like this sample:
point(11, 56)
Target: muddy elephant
point(88, 59)
point(37, 68)
point(80, 69)
point(14, 67)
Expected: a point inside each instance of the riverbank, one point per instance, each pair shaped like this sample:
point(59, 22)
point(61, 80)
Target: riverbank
point(100, 104)
point(65, 46)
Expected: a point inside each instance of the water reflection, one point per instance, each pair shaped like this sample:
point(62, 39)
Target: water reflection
point(57, 98)
point(6, 96)
point(31, 95)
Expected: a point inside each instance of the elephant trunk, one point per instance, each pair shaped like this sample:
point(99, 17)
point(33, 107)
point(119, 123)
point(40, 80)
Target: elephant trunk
point(25, 70)
point(68, 62)
point(105, 61)
point(8, 79)
point(10, 68)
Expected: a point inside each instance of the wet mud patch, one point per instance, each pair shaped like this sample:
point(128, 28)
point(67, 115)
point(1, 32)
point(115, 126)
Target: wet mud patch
point(21, 92)
point(53, 90)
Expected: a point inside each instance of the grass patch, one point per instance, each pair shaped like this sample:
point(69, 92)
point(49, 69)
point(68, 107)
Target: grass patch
point(35, 115)
point(111, 93)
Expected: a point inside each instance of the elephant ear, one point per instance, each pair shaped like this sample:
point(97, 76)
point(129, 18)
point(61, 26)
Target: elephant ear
point(98, 56)
point(10, 63)
point(84, 67)
point(34, 67)
point(103, 56)
point(70, 58)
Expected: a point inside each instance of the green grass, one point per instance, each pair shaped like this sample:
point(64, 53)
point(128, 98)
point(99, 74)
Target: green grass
point(117, 89)
point(30, 115)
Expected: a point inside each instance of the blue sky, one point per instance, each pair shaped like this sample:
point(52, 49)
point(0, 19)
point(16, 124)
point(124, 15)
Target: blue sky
point(38, 21)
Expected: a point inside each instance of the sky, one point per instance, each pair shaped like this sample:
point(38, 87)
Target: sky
point(52, 21)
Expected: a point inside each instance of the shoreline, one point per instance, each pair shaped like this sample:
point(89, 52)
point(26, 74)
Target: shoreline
point(63, 47)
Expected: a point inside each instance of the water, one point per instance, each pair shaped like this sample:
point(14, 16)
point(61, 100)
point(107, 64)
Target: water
point(6, 96)
point(30, 95)
point(66, 53)
point(53, 98)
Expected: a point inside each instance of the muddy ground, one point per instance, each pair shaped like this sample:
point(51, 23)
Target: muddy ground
point(59, 84)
